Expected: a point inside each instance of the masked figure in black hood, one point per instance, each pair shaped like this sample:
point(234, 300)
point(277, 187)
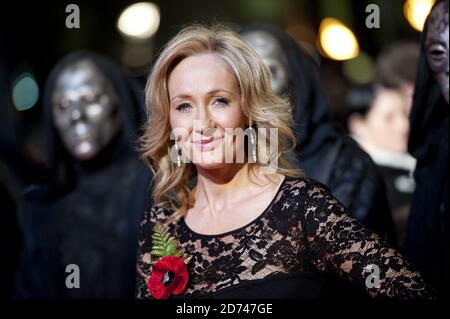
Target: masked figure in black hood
point(323, 152)
point(9, 232)
point(81, 230)
point(427, 242)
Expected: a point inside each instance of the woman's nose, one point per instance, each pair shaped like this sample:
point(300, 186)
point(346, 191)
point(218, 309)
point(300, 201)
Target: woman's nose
point(203, 122)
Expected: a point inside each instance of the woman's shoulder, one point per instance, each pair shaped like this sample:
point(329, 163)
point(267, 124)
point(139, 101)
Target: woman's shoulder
point(305, 191)
point(305, 186)
point(157, 212)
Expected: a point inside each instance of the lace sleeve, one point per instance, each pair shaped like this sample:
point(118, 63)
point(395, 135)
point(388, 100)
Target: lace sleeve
point(144, 262)
point(339, 244)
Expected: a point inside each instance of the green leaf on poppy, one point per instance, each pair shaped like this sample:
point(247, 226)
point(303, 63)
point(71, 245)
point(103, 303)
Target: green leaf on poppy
point(163, 243)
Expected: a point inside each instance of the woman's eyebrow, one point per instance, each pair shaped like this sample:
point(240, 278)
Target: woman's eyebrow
point(209, 93)
point(214, 91)
point(180, 96)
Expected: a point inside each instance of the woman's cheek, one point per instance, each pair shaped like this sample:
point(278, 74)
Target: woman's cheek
point(175, 120)
point(231, 117)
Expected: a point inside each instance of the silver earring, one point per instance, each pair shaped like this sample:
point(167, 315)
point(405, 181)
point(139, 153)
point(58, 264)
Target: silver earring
point(177, 148)
point(253, 144)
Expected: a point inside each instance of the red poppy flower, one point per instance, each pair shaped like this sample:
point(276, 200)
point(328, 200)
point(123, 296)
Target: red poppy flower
point(169, 276)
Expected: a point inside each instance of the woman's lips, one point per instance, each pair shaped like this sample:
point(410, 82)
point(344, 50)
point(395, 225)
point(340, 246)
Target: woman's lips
point(206, 143)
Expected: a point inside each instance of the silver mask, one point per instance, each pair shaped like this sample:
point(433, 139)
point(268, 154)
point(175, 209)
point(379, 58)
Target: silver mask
point(273, 56)
point(436, 44)
point(85, 109)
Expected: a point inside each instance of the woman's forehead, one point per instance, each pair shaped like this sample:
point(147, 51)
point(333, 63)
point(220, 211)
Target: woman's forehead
point(202, 72)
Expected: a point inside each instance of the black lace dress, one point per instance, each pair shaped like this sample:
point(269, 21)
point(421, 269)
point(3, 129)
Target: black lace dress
point(288, 251)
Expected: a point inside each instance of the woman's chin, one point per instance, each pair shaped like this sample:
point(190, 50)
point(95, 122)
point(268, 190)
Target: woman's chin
point(209, 165)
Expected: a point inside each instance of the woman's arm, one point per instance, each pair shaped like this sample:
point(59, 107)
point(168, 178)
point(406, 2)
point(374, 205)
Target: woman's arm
point(337, 243)
point(144, 262)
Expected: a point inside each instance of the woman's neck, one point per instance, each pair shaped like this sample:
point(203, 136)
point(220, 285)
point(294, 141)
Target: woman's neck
point(218, 188)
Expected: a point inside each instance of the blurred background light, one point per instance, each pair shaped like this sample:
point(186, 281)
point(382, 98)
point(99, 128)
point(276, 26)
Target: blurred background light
point(416, 12)
point(139, 20)
point(25, 91)
point(359, 70)
point(337, 41)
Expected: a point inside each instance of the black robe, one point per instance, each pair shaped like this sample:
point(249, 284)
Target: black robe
point(9, 197)
point(427, 241)
point(88, 215)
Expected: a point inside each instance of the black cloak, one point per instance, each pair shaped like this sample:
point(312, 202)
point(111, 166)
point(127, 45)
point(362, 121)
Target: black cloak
point(427, 241)
point(88, 214)
point(9, 231)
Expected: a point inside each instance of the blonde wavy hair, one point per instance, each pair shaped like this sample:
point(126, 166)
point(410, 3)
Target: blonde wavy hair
point(266, 110)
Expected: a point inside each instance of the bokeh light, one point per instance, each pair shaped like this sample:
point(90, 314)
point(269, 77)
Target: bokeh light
point(416, 12)
point(25, 91)
point(337, 41)
point(139, 20)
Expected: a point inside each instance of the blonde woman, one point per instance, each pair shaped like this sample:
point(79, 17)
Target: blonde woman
point(256, 228)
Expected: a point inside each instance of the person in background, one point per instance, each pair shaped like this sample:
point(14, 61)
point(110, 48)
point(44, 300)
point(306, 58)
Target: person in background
point(396, 69)
point(427, 239)
point(18, 169)
point(378, 121)
point(9, 192)
point(88, 216)
point(323, 152)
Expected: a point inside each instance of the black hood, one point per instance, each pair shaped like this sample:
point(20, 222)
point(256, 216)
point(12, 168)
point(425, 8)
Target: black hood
point(312, 113)
point(427, 242)
point(7, 136)
point(429, 109)
point(63, 165)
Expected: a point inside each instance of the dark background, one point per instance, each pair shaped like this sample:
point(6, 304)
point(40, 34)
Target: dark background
point(33, 36)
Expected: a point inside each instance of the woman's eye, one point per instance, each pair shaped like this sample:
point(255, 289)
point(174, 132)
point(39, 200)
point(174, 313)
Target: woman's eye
point(221, 101)
point(183, 107)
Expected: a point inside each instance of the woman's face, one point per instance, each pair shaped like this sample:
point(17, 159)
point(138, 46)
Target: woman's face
point(204, 106)
point(436, 44)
